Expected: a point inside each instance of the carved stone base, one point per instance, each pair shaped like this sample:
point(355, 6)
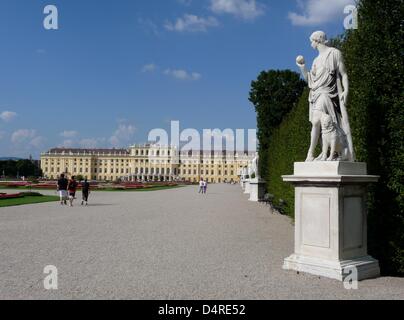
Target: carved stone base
point(366, 267)
point(257, 190)
point(247, 187)
point(331, 219)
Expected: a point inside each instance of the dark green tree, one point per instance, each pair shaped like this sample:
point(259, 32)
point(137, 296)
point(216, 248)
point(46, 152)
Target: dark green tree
point(26, 168)
point(273, 95)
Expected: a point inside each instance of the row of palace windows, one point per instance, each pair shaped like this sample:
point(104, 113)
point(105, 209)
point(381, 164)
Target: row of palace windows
point(152, 153)
point(207, 172)
point(117, 171)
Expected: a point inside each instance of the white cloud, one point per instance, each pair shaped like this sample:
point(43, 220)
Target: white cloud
point(7, 116)
point(67, 144)
point(149, 68)
point(185, 2)
point(148, 26)
point(27, 137)
point(183, 74)
point(91, 143)
point(122, 135)
point(318, 12)
point(192, 23)
point(22, 135)
point(37, 142)
point(245, 9)
point(69, 134)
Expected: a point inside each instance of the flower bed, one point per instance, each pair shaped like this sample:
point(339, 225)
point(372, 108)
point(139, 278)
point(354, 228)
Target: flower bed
point(14, 184)
point(11, 196)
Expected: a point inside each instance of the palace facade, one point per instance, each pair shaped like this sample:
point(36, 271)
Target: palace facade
point(145, 163)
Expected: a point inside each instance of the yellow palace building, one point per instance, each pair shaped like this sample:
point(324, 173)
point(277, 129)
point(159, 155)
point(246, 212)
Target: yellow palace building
point(145, 163)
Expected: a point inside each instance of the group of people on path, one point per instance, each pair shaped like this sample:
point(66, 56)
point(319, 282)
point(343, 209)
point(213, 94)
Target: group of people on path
point(67, 190)
point(203, 186)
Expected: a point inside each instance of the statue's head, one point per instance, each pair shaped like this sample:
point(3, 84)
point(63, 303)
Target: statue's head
point(326, 122)
point(317, 38)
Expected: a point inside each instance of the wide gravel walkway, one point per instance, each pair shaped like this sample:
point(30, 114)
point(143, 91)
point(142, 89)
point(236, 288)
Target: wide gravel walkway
point(173, 244)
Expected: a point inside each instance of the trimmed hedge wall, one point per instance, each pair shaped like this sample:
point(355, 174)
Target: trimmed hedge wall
point(289, 144)
point(374, 59)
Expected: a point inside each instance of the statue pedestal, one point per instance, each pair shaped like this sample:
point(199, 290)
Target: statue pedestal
point(257, 190)
point(331, 220)
point(247, 185)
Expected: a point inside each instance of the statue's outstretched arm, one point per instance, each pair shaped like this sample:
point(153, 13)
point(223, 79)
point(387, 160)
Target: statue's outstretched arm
point(301, 63)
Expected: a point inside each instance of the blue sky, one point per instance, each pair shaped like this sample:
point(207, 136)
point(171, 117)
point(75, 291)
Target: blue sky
point(114, 70)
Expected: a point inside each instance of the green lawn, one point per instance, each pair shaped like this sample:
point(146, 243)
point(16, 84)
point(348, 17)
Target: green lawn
point(27, 200)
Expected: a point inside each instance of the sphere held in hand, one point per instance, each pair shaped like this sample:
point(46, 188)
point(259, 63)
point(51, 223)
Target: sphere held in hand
point(300, 60)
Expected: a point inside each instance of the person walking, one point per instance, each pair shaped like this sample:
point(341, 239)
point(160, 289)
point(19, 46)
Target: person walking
point(72, 187)
point(201, 186)
point(62, 189)
point(205, 186)
point(85, 191)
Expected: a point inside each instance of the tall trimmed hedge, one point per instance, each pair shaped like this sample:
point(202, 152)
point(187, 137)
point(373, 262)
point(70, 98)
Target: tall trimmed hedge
point(289, 144)
point(375, 63)
point(273, 94)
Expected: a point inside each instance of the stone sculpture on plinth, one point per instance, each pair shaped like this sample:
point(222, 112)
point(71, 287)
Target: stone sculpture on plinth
point(244, 175)
point(257, 185)
point(248, 179)
point(330, 196)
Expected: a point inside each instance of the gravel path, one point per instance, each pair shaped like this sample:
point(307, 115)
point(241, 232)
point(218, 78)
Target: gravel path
point(173, 244)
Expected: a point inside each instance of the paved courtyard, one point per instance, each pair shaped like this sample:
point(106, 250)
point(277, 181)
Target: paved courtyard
point(173, 244)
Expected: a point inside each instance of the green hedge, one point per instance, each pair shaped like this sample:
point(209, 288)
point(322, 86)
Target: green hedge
point(273, 94)
point(289, 144)
point(374, 59)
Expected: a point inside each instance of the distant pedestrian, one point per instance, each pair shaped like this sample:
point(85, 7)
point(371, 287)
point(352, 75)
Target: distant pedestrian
point(201, 186)
point(72, 187)
point(205, 186)
point(62, 189)
point(85, 191)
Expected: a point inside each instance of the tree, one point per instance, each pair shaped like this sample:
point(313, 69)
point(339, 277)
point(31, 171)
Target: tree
point(273, 95)
point(19, 168)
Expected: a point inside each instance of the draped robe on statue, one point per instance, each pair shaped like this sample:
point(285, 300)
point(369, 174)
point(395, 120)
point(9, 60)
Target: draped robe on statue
point(325, 94)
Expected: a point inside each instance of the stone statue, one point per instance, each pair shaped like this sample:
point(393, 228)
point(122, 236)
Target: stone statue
point(245, 173)
point(329, 91)
point(250, 170)
point(254, 166)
